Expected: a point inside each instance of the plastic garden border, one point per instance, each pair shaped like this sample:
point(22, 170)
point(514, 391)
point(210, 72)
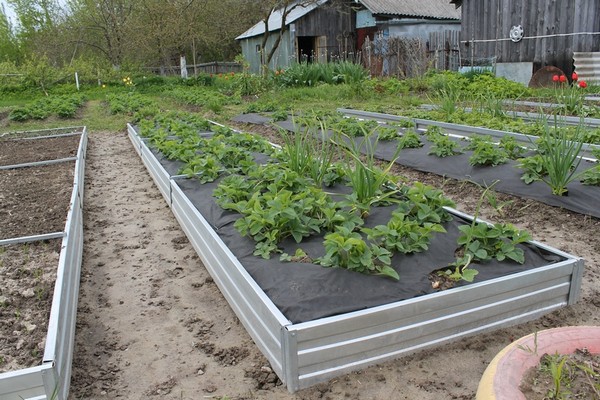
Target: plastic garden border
point(307, 353)
point(51, 379)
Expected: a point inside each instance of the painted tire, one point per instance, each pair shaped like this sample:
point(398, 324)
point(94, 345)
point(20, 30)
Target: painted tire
point(502, 377)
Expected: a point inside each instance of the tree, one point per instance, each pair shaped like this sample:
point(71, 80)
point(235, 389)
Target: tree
point(103, 26)
point(271, 10)
point(9, 47)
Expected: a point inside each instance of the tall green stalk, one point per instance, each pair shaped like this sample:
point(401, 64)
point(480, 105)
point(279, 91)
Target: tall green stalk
point(560, 157)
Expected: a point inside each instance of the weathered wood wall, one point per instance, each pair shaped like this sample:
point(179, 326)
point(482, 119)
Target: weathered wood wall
point(337, 24)
point(493, 19)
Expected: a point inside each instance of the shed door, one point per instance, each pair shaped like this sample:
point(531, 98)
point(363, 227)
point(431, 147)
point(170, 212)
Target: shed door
point(321, 46)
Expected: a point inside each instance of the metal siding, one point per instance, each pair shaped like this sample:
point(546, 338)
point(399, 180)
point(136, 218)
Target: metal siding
point(441, 9)
point(587, 66)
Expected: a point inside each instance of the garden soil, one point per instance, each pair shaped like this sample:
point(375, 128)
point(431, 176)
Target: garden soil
point(151, 322)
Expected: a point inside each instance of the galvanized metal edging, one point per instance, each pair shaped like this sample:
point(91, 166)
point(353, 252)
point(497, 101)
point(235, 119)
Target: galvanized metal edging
point(462, 130)
point(51, 379)
point(37, 163)
point(33, 238)
point(307, 353)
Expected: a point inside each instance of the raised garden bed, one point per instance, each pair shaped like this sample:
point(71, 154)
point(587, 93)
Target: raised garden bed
point(350, 336)
point(41, 244)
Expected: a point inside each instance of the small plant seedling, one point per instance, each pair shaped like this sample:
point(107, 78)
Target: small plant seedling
point(528, 349)
point(299, 256)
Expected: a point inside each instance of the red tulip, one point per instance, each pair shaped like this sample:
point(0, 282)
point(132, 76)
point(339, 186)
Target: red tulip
point(562, 79)
point(582, 84)
point(574, 77)
point(555, 78)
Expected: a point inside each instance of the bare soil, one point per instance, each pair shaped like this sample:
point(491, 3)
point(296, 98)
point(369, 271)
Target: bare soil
point(152, 324)
point(35, 200)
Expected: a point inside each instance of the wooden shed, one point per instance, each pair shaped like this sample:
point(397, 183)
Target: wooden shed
point(318, 32)
point(536, 32)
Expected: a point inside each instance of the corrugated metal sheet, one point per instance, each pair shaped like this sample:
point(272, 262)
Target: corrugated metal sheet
point(276, 18)
point(439, 9)
point(587, 66)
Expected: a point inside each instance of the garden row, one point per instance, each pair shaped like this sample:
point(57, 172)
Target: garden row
point(41, 244)
point(240, 201)
point(513, 163)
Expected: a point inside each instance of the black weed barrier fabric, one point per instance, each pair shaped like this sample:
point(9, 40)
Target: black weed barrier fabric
point(582, 199)
point(305, 292)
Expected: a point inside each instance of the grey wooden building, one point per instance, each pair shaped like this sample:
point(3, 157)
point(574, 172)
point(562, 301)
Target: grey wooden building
point(537, 33)
point(316, 32)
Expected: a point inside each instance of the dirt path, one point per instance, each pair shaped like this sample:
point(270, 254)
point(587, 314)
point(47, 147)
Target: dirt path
point(152, 324)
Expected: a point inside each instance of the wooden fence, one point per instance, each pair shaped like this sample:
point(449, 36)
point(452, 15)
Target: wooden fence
point(216, 67)
point(406, 57)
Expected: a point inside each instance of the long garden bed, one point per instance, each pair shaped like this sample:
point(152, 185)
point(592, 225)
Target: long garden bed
point(41, 243)
point(314, 323)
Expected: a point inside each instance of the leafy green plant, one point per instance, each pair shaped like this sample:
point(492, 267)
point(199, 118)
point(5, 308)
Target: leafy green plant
point(486, 153)
point(387, 133)
point(424, 204)
point(410, 140)
point(403, 234)
point(512, 148)
point(275, 215)
point(347, 249)
point(591, 176)
point(205, 168)
point(534, 168)
point(443, 146)
point(280, 115)
point(480, 242)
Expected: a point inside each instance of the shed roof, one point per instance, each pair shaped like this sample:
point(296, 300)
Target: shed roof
point(276, 17)
point(438, 9)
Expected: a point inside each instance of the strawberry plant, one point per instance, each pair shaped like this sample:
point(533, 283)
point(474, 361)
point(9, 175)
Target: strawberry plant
point(273, 216)
point(533, 167)
point(443, 146)
point(424, 204)
point(387, 133)
point(409, 140)
point(403, 234)
point(486, 153)
point(591, 176)
point(347, 249)
point(205, 168)
point(512, 148)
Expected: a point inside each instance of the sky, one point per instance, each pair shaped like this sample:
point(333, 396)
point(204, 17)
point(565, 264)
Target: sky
point(9, 12)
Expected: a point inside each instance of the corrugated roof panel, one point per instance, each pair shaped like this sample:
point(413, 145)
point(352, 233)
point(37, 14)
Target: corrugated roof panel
point(439, 9)
point(277, 16)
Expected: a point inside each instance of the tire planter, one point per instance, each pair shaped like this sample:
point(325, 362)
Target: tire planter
point(503, 376)
point(306, 353)
point(51, 379)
